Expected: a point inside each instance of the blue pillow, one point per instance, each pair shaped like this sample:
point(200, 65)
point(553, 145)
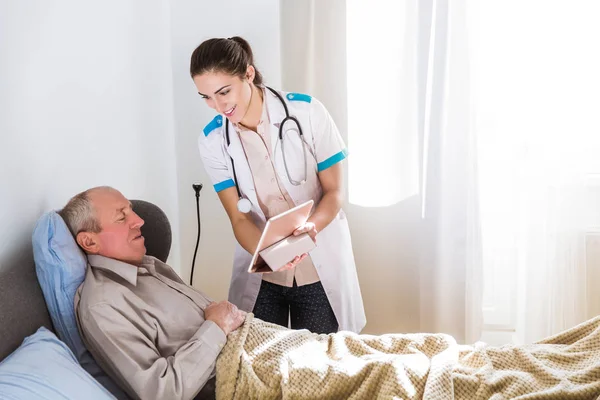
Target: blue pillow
point(43, 368)
point(61, 266)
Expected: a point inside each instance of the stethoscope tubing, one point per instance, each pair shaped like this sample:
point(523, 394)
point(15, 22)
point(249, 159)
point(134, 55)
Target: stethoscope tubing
point(287, 118)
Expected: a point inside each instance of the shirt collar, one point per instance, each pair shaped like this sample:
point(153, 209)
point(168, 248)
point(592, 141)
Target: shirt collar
point(127, 271)
point(276, 110)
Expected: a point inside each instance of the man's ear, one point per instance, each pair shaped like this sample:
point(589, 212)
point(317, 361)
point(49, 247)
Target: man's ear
point(88, 241)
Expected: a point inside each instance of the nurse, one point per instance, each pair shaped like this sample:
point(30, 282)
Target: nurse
point(260, 170)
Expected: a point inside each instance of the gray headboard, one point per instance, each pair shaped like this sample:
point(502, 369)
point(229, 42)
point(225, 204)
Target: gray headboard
point(22, 306)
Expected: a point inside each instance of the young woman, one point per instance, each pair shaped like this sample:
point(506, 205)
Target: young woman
point(266, 152)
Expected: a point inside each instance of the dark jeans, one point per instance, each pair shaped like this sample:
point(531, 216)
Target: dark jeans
point(306, 306)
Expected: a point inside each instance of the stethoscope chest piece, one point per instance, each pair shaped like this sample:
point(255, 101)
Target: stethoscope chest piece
point(244, 205)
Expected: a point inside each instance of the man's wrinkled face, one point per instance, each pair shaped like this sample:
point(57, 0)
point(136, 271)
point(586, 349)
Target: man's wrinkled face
point(120, 236)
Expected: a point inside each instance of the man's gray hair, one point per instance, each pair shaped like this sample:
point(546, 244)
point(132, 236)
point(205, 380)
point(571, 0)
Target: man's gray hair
point(79, 213)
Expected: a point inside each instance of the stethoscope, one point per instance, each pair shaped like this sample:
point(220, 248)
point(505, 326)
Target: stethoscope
point(244, 205)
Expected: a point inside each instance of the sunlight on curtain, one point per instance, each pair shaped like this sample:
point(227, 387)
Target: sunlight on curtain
point(382, 101)
point(535, 84)
point(450, 242)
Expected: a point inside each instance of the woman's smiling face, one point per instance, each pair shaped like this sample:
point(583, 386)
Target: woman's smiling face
point(227, 94)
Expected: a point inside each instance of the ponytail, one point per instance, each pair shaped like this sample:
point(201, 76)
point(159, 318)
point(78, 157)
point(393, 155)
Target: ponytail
point(231, 56)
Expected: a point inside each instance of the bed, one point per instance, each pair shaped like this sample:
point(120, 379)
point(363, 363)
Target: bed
point(566, 366)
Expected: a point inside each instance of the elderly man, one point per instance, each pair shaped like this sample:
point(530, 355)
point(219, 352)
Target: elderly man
point(161, 339)
point(156, 336)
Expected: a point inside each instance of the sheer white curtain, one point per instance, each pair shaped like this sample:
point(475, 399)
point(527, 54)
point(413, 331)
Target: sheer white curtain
point(505, 105)
point(407, 99)
point(534, 73)
point(451, 263)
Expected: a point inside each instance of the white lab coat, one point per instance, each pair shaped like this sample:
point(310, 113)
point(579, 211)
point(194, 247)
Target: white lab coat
point(333, 257)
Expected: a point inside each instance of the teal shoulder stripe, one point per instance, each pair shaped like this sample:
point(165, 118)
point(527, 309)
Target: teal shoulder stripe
point(224, 185)
point(217, 122)
point(334, 159)
point(299, 97)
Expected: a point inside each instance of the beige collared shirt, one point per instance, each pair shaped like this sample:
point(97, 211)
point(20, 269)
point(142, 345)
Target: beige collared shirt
point(272, 196)
point(146, 328)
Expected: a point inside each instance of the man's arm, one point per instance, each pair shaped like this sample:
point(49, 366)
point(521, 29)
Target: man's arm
point(134, 360)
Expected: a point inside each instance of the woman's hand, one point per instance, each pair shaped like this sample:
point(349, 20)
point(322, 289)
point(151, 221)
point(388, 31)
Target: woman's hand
point(292, 264)
point(309, 228)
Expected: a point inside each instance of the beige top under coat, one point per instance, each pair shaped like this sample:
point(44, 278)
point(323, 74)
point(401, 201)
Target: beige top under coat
point(272, 196)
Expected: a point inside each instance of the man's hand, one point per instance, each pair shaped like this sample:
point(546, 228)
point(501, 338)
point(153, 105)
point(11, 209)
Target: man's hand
point(225, 315)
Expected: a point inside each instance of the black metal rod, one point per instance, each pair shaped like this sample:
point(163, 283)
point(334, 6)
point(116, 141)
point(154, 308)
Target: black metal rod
point(197, 189)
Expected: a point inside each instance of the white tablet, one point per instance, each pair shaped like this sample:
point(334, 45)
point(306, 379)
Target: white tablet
point(278, 228)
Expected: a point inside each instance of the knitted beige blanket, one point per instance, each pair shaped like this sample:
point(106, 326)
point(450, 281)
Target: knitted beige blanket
point(266, 361)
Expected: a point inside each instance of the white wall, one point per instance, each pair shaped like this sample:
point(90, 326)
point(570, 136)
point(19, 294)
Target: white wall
point(192, 22)
point(85, 100)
